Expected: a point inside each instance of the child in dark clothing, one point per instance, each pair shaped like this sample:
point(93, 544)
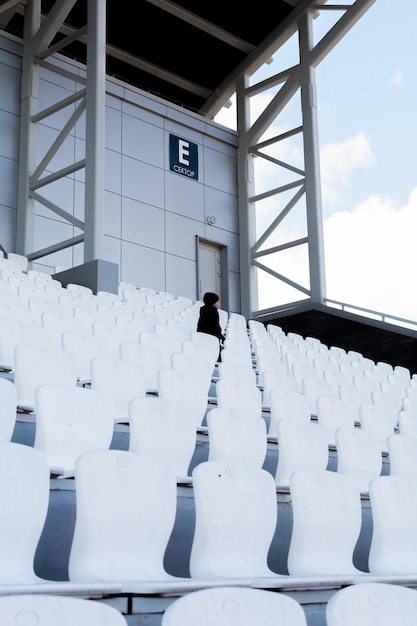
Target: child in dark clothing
point(209, 321)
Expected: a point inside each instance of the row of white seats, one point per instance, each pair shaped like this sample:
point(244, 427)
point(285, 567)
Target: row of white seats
point(367, 604)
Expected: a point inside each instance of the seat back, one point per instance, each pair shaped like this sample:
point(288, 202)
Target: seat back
point(393, 548)
point(84, 346)
point(327, 518)
point(378, 421)
point(13, 331)
point(164, 429)
point(120, 380)
point(334, 413)
point(126, 507)
point(71, 420)
point(402, 451)
point(149, 359)
point(287, 403)
point(36, 365)
point(113, 335)
point(236, 515)
point(8, 409)
point(227, 606)
point(49, 610)
point(239, 396)
point(184, 387)
point(236, 437)
point(24, 494)
point(372, 603)
point(302, 445)
point(359, 455)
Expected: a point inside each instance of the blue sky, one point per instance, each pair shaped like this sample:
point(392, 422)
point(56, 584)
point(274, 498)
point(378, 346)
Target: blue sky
point(367, 98)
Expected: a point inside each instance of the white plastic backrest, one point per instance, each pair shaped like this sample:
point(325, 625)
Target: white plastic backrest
point(287, 404)
point(184, 387)
point(378, 421)
point(13, 332)
point(37, 305)
point(136, 495)
point(120, 380)
point(275, 379)
point(149, 358)
point(8, 408)
point(407, 423)
point(7, 296)
point(71, 421)
point(220, 606)
point(236, 437)
point(237, 371)
point(358, 455)
point(36, 365)
point(84, 347)
point(164, 429)
point(16, 312)
point(327, 518)
point(334, 413)
point(19, 260)
point(24, 493)
point(49, 610)
point(315, 389)
point(58, 323)
point(389, 402)
point(397, 389)
point(199, 349)
point(209, 341)
point(195, 364)
point(158, 342)
point(402, 451)
point(372, 603)
point(393, 548)
point(111, 333)
point(78, 289)
point(355, 396)
point(302, 445)
point(234, 355)
point(236, 516)
point(238, 395)
point(134, 326)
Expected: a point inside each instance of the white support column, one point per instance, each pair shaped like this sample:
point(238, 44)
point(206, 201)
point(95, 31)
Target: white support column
point(247, 223)
point(29, 105)
point(95, 130)
point(312, 162)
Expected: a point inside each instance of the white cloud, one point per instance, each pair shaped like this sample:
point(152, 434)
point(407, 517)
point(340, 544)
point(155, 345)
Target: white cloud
point(338, 160)
point(370, 256)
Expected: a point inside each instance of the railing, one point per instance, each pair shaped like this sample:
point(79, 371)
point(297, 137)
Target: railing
point(377, 315)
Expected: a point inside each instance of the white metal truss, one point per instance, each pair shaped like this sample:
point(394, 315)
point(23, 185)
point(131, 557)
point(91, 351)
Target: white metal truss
point(87, 102)
point(304, 183)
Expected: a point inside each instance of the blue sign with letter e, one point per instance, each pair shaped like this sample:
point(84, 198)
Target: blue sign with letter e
point(183, 157)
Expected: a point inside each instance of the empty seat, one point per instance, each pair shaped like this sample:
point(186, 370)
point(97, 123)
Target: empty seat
point(49, 610)
point(239, 396)
point(334, 413)
point(84, 347)
point(235, 437)
point(372, 603)
point(378, 421)
point(148, 358)
point(8, 408)
point(69, 422)
point(225, 606)
point(287, 403)
point(163, 429)
point(236, 515)
point(24, 494)
point(126, 507)
point(20, 261)
point(359, 455)
point(302, 445)
point(184, 387)
point(402, 451)
point(393, 549)
point(120, 380)
point(327, 520)
point(36, 365)
point(15, 331)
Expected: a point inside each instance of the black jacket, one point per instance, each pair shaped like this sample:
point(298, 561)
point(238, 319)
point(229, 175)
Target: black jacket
point(209, 322)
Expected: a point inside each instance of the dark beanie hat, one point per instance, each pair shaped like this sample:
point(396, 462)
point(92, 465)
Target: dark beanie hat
point(210, 298)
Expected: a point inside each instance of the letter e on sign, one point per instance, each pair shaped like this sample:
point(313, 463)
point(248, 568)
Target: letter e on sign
point(183, 157)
